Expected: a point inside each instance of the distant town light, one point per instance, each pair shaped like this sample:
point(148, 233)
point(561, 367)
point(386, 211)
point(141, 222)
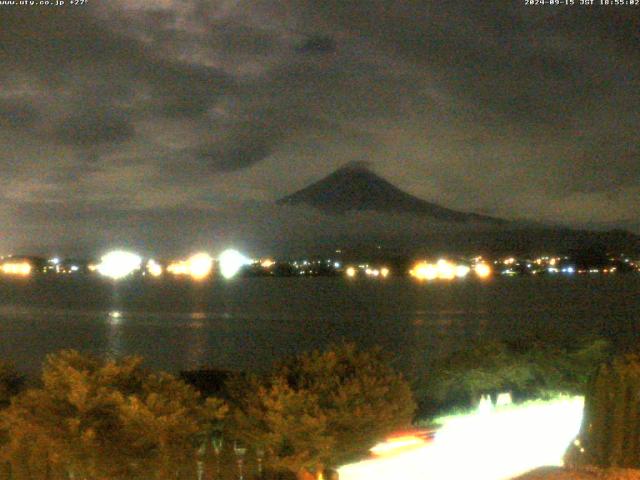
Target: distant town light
point(231, 261)
point(200, 265)
point(446, 269)
point(154, 268)
point(118, 264)
point(424, 271)
point(267, 263)
point(462, 271)
point(482, 270)
point(16, 268)
point(351, 272)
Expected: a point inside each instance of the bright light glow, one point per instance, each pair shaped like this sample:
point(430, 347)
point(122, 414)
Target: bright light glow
point(231, 261)
point(178, 268)
point(200, 265)
point(424, 271)
point(384, 271)
point(397, 444)
point(154, 268)
point(118, 264)
point(462, 271)
point(442, 270)
point(267, 263)
point(16, 268)
point(115, 317)
point(351, 272)
point(498, 444)
point(482, 270)
point(54, 260)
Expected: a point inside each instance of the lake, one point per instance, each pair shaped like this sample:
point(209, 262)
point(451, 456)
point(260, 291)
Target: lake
point(247, 323)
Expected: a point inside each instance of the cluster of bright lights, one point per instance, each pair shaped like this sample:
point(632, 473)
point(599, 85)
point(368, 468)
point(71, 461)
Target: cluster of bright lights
point(441, 270)
point(373, 272)
point(21, 269)
point(231, 262)
point(496, 443)
point(198, 266)
point(376, 272)
point(118, 264)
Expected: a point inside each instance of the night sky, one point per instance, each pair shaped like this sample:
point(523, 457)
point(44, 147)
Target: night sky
point(172, 124)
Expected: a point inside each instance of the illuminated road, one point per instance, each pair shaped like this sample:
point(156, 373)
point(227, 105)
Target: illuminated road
point(492, 445)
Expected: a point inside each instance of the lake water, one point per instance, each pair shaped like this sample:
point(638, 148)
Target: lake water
point(248, 323)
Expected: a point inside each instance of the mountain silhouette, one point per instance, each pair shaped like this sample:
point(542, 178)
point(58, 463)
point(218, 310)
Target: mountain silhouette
point(354, 187)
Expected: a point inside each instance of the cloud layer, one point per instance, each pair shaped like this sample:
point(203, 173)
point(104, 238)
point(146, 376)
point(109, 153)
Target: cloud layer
point(137, 107)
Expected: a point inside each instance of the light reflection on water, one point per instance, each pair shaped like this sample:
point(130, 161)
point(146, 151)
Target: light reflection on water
point(249, 323)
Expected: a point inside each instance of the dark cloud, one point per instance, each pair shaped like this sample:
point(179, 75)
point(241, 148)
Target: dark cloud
point(318, 44)
point(17, 114)
point(608, 164)
point(94, 128)
point(234, 154)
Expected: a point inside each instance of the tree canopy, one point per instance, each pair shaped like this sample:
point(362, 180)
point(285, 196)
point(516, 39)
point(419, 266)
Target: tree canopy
point(10, 383)
point(100, 419)
point(322, 408)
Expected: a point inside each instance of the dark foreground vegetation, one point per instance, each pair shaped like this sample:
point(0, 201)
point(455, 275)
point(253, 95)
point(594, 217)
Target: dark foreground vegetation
point(102, 419)
point(529, 367)
point(608, 444)
point(91, 418)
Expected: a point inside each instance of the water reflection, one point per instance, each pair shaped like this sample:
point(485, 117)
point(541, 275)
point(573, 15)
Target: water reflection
point(197, 340)
point(115, 347)
point(250, 323)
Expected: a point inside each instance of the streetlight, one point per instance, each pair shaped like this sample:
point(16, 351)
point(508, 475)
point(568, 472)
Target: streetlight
point(201, 450)
point(217, 443)
point(260, 458)
point(240, 450)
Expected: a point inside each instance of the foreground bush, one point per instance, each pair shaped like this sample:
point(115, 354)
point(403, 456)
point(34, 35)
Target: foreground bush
point(610, 432)
point(99, 419)
point(322, 408)
point(528, 368)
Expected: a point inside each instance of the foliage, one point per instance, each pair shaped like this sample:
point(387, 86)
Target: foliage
point(322, 408)
point(528, 368)
point(610, 432)
point(104, 419)
point(10, 383)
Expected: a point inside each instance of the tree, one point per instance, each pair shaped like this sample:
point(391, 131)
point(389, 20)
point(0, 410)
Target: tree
point(610, 431)
point(102, 419)
point(10, 383)
point(322, 408)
